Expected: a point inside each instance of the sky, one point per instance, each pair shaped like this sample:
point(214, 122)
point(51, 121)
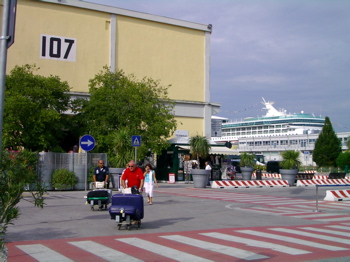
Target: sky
point(293, 52)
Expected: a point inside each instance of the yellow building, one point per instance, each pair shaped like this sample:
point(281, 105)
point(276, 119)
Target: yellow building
point(74, 39)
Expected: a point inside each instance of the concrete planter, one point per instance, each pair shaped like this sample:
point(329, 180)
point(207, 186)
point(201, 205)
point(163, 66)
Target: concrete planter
point(247, 172)
point(290, 175)
point(115, 174)
point(200, 177)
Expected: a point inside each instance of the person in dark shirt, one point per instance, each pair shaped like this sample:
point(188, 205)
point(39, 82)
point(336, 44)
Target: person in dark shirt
point(101, 173)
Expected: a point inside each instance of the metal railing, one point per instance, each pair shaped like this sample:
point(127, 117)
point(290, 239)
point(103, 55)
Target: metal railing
point(79, 163)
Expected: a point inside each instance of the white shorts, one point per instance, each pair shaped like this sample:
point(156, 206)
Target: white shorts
point(149, 188)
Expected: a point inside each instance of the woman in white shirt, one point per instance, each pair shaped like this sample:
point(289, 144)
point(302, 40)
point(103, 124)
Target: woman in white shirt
point(150, 180)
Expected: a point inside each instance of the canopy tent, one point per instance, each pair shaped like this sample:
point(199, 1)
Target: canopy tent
point(215, 150)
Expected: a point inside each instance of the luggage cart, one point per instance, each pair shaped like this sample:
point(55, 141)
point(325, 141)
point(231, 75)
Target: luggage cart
point(99, 196)
point(127, 210)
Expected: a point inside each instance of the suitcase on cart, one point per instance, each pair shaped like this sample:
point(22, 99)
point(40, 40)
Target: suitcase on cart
point(99, 197)
point(127, 210)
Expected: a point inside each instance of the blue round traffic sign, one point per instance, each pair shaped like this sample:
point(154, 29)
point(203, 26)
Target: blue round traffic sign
point(87, 142)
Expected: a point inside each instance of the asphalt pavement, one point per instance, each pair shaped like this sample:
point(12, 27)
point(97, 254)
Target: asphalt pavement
point(176, 207)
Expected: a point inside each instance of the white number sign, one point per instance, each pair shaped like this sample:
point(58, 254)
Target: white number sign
point(58, 48)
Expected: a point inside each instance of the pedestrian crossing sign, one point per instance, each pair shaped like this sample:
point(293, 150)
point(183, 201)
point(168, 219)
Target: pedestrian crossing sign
point(136, 140)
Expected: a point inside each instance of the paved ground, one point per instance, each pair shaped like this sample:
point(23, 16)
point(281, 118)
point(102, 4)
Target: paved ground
point(238, 220)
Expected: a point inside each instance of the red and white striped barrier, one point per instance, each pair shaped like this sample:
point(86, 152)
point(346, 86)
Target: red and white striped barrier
point(248, 183)
point(304, 176)
point(272, 175)
point(337, 195)
point(314, 182)
point(324, 177)
point(310, 171)
point(320, 177)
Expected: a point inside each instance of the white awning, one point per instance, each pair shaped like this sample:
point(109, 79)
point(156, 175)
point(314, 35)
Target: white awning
point(216, 150)
point(221, 150)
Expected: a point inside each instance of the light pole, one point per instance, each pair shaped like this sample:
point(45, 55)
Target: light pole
point(6, 40)
point(3, 58)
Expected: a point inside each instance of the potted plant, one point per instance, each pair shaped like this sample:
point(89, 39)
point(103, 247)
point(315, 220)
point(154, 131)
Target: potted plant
point(63, 179)
point(290, 165)
point(247, 165)
point(200, 147)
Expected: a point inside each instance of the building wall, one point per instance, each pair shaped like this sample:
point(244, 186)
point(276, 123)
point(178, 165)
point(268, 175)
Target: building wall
point(173, 51)
point(170, 53)
point(89, 28)
point(192, 123)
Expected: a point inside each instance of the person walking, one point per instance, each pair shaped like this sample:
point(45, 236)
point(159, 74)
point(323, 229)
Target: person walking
point(150, 180)
point(187, 169)
point(208, 167)
point(133, 175)
point(101, 173)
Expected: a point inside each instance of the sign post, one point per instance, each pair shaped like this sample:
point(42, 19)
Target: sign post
point(136, 142)
point(306, 156)
point(7, 36)
point(87, 143)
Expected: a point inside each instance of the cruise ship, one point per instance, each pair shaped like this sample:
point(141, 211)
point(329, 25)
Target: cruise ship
point(275, 132)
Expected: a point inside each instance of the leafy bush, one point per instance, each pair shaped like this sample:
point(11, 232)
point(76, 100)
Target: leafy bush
point(260, 167)
point(17, 170)
point(63, 178)
point(90, 177)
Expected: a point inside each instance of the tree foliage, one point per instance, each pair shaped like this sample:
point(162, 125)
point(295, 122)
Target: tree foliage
point(17, 170)
point(119, 102)
point(343, 160)
point(33, 109)
point(327, 146)
point(122, 150)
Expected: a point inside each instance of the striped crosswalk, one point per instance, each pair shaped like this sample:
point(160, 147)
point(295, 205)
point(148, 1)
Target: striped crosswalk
point(161, 250)
point(292, 207)
point(293, 243)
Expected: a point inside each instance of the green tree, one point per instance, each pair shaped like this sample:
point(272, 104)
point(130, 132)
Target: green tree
point(16, 172)
point(327, 146)
point(343, 160)
point(119, 102)
point(33, 112)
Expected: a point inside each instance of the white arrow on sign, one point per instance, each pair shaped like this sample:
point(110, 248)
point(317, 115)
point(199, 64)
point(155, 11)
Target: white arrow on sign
point(88, 142)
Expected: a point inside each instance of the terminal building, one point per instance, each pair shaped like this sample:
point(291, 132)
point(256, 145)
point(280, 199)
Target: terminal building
point(75, 39)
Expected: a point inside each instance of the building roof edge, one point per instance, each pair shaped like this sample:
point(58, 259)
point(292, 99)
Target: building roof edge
point(130, 13)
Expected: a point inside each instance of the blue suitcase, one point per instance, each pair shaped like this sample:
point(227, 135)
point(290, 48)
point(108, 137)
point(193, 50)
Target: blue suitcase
point(126, 209)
